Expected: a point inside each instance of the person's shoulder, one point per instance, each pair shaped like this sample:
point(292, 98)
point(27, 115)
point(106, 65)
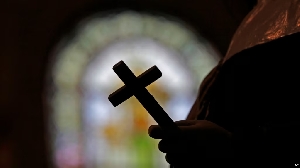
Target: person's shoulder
point(275, 51)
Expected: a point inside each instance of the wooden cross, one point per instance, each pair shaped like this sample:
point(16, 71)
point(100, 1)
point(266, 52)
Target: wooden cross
point(135, 86)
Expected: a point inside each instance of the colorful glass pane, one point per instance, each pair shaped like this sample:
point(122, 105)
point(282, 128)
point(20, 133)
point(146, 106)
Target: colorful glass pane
point(87, 131)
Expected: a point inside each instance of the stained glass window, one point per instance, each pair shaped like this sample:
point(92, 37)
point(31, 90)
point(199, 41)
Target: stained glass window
point(86, 130)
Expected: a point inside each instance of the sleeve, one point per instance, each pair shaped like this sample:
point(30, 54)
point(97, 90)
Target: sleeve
point(265, 94)
point(195, 110)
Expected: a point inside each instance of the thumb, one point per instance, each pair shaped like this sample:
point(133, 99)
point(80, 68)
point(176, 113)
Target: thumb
point(186, 126)
point(185, 122)
point(156, 132)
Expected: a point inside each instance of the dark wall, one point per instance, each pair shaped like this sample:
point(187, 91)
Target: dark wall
point(30, 27)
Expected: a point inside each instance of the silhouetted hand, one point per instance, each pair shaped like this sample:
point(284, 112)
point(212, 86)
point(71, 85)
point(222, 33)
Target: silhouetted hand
point(199, 139)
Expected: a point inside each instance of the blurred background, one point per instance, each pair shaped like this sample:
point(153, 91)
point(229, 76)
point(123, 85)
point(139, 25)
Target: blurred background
point(56, 75)
point(85, 128)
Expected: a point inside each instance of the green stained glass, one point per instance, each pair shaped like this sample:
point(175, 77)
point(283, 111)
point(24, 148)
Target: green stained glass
point(144, 148)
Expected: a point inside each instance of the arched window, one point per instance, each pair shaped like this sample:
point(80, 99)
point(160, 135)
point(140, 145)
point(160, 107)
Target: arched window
point(86, 130)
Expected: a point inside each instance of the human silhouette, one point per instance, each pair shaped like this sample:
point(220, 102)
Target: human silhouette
point(247, 106)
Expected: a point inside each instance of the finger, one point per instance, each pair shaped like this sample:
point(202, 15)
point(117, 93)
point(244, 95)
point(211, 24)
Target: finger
point(166, 146)
point(177, 160)
point(169, 158)
point(156, 132)
point(163, 146)
point(185, 122)
point(173, 146)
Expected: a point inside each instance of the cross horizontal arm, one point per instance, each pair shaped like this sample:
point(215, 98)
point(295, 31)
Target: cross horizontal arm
point(145, 79)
